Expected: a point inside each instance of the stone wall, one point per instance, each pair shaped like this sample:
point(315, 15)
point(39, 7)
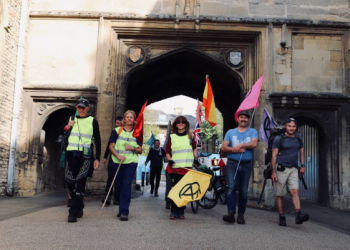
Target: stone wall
point(291, 9)
point(317, 60)
point(10, 12)
point(65, 49)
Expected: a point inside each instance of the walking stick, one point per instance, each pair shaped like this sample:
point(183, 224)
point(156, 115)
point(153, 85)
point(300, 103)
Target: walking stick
point(110, 188)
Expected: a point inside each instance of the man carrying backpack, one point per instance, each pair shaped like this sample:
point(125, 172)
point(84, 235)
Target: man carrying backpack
point(284, 162)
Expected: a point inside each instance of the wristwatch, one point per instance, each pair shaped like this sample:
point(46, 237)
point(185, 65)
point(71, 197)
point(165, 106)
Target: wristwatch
point(302, 165)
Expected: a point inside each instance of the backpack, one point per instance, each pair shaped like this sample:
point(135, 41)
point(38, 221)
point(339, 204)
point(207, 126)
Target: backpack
point(277, 131)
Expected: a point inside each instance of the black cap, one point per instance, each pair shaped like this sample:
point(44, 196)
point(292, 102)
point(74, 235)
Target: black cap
point(244, 112)
point(82, 103)
point(289, 120)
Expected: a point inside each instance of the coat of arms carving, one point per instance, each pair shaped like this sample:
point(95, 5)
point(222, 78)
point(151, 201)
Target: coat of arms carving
point(235, 57)
point(134, 54)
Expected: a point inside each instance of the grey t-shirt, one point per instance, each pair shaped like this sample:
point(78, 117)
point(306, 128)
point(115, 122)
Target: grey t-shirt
point(288, 150)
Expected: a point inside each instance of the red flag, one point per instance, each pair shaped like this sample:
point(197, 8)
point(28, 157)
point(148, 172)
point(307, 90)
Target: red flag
point(251, 100)
point(138, 129)
point(209, 104)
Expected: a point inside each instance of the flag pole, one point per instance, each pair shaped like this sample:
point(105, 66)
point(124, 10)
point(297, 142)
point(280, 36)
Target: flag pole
point(250, 124)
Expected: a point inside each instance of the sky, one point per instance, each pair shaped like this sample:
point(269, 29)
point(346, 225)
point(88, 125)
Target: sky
point(188, 104)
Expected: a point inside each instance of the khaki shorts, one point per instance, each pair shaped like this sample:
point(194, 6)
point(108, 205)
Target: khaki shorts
point(288, 177)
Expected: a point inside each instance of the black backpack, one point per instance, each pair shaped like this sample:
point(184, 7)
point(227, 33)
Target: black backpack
point(277, 131)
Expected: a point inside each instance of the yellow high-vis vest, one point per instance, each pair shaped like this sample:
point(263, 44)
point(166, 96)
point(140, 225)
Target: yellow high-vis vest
point(123, 139)
point(81, 134)
point(182, 152)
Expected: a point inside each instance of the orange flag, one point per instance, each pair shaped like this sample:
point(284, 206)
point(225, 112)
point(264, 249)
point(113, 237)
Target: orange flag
point(209, 104)
point(138, 129)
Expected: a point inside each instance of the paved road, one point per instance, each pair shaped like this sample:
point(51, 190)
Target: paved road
point(149, 228)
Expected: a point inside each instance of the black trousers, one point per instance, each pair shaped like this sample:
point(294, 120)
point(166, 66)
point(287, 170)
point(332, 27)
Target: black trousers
point(76, 185)
point(175, 178)
point(155, 173)
point(168, 185)
point(75, 164)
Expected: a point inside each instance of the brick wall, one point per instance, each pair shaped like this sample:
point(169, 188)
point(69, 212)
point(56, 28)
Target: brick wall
point(8, 63)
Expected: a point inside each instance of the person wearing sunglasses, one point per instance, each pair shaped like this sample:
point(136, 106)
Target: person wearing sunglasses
point(181, 152)
point(83, 130)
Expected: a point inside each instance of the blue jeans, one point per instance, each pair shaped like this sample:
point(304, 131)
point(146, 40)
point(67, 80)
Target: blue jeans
point(242, 177)
point(122, 185)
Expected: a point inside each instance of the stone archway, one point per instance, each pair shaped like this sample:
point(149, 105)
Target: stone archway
point(49, 177)
point(183, 72)
point(325, 113)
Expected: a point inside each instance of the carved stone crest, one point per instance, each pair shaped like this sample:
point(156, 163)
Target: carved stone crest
point(135, 54)
point(235, 57)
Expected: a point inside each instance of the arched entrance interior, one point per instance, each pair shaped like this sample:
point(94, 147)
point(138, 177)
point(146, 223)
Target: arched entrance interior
point(315, 161)
point(51, 177)
point(182, 72)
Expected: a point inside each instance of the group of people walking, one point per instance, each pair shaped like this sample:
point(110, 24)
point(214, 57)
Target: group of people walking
point(181, 153)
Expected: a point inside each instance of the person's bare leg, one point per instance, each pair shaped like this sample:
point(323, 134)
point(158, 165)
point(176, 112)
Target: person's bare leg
point(279, 203)
point(295, 198)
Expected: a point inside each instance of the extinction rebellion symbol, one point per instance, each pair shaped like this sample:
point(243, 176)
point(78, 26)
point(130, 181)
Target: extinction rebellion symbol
point(190, 189)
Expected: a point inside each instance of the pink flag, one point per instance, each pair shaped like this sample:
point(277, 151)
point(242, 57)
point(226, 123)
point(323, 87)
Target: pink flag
point(199, 113)
point(251, 100)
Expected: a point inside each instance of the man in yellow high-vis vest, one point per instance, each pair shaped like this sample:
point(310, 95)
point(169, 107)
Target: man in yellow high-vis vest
point(84, 129)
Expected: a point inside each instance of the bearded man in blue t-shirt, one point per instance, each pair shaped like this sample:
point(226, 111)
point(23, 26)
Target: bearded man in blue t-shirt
point(239, 144)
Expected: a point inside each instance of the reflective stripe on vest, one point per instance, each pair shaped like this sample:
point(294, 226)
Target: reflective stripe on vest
point(81, 134)
point(182, 152)
point(125, 138)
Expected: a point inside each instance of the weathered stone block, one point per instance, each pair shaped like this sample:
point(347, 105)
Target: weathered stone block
point(310, 83)
point(212, 8)
point(322, 38)
point(333, 69)
point(337, 84)
point(322, 45)
point(311, 55)
point(238, 11)
point(336, 56)
point(267, 10)
point(298, 42)
point(293, 10)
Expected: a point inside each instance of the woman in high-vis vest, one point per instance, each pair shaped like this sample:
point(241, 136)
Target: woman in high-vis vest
point(181, 152)
point(125, 149)
point(84, 130)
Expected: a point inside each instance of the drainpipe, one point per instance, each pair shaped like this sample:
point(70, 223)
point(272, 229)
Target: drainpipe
point(17, 97)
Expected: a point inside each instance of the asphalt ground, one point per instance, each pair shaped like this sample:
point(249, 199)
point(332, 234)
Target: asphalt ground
point(40, 222)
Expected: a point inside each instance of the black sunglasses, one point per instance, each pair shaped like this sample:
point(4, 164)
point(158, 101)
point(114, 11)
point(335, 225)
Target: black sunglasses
point(180, 122)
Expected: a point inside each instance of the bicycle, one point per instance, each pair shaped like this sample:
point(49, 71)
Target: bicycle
point(215, 191)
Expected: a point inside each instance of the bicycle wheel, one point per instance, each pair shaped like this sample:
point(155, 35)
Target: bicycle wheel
point(210, 199)
point(222, 197)
point(194, 206)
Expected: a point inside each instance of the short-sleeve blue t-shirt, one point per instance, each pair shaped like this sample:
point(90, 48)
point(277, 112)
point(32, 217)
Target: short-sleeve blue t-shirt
point(234, 137)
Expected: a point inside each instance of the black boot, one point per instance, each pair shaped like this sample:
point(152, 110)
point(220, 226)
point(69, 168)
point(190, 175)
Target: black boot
point(80, 206)
point(230, 218)
point(72, 217)
point(156, 193)
point(151, 190)
point(300, 218)
point(282, 221)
